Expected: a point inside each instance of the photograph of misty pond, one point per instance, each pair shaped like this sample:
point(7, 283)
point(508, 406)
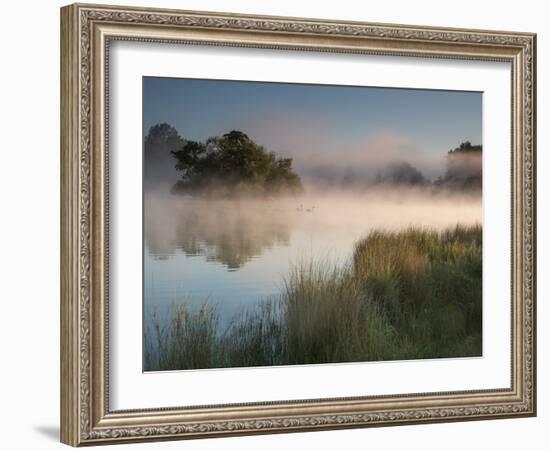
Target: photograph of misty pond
point(290, 224)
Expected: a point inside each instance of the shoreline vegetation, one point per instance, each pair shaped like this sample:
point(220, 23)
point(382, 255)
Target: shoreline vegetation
point(410, 294)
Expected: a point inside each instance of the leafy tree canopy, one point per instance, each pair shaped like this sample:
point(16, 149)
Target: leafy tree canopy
point(465, 147)
point(233, 165)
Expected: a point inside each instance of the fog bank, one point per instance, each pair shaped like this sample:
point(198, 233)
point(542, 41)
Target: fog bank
point(232, 232)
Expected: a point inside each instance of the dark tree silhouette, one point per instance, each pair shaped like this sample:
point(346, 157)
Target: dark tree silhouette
point(233, 165)
point(401, 173)
point(463, 170)
point(158, 162)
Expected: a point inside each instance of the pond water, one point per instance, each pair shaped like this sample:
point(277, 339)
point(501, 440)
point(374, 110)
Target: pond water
point(234, 254)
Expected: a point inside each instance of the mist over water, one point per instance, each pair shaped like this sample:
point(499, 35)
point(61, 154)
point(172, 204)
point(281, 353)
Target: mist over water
point(235, 253)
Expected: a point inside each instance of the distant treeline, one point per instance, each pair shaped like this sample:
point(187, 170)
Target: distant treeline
point(234, 165)
point(463, 171)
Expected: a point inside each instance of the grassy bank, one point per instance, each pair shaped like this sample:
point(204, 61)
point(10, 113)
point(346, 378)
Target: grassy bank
point(404, 295)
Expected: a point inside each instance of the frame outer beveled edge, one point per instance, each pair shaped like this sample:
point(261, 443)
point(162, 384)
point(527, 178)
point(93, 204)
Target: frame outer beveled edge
point(69, 208)
point(80, 422)
point(534, 219)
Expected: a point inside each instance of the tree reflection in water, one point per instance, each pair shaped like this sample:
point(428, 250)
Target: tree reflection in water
point(230, 232)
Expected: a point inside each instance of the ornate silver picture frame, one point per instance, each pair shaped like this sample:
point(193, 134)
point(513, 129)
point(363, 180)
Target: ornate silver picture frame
point(87, 33)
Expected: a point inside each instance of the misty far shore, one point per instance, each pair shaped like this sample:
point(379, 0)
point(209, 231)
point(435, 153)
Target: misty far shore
point(233, 165)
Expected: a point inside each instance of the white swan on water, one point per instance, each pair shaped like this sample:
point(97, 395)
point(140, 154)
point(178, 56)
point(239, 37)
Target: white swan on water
point(309, 210)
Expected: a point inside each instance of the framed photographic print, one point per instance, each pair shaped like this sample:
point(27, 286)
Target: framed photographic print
point(275, 224)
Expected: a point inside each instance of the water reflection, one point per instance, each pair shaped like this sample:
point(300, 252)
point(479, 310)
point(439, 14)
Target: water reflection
point(228, 232)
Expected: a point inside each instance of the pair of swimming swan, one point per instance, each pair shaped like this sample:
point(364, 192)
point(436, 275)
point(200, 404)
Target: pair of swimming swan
point(301, 208)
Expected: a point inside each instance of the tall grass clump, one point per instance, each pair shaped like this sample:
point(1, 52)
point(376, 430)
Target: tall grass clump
point(330, 318)
point(430, 285)
point(255, 337)
point(188, 342)
point(405, 294)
